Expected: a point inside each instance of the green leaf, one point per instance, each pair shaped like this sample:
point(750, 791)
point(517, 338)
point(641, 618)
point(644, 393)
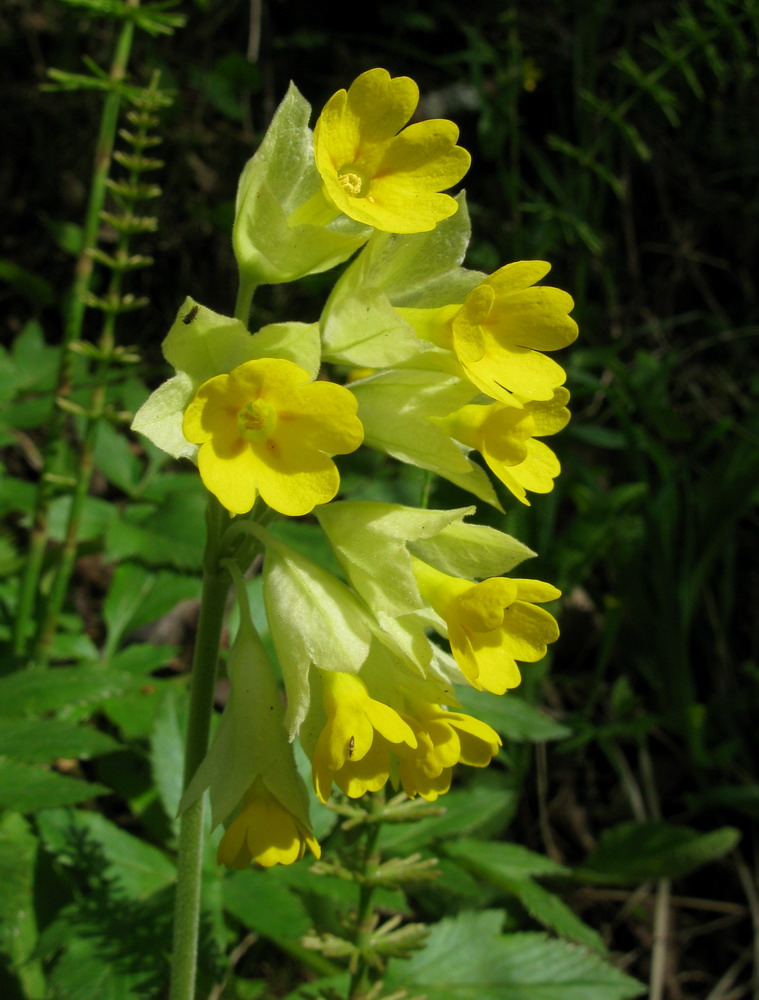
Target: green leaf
point(464, 811)
point(96, 517)
point(62, 689)
point(18, 925)
point(512, 716)
point(83, 972)
point(169, 533)
point(115, 458)
point(467, 958)
point(635, 852)
point(167, 748)
point(138, 596)
point(37, 290)
point(41, 741)
point(136, 867)
point(263, 902)
point(547, 909)
point(502, 861)
point(25, 789)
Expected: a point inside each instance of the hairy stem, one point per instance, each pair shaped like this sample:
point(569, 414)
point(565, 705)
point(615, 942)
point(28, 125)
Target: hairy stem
point(361, 978)
point(191, 831)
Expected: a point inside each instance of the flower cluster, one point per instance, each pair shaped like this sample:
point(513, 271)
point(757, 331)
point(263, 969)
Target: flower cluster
point(451, 362)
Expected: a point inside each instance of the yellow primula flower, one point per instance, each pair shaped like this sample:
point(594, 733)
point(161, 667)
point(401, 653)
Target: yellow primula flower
point(264, 832)
point(266, 429)
point(501, 329)
point(377, 174)
point(444, 738)
point(353, 748)
point(505, 436)
point(491, 624)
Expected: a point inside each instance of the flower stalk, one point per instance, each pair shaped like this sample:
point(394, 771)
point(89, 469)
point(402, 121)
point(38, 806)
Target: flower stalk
point(192, 823)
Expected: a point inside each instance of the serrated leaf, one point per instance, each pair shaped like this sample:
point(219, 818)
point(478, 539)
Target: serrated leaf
point(635, 852)
point(95, 518)
point(547, 909)
point(38, 692)
point(467, 958)
point(463, 812)
point(499, 860)
point(24, 788)
point(18, 925)
point(41, 741)
point(138, 596)
point(82, 973)
point(115, 458)
point(169, 534)
point(135, 867)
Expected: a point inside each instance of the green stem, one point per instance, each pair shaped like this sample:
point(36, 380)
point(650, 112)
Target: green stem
point(191, 830)
point(245, 293)
point(361, 978)
point(72, 331)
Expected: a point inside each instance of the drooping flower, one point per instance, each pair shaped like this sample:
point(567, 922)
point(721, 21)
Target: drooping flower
point(377, 174)
point(501, 330)
point(266, 429)
point(264, 832)
point(491, 624)
point(444, 738)
point(353, 748)
point(250, 770)
point(505, 435)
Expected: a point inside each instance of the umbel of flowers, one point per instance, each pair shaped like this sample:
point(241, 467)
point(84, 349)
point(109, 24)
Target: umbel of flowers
point(445, 362)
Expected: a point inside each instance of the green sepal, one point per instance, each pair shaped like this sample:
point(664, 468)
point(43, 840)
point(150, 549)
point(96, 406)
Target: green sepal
point(395, 408)
point(251, 740)
point(279, 178)
point(313, 618)
point(359, 324)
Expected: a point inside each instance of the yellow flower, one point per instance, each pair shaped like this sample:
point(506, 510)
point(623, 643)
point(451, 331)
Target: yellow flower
point(506, 436)
point(378, 177)
point(265, 428)
point(500, 330)
point(503, 326)
point(444, 738)
point(264, 832)
point(491, 624)
point(353, 749)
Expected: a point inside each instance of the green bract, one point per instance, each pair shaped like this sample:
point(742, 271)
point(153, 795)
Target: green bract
point(279, 178)
point(360, 325)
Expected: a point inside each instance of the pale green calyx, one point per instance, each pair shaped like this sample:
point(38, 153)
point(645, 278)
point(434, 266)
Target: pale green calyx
point(398, 409)
point(314, 620)
point(279, 178)
point(360, 325)
point(250, 740)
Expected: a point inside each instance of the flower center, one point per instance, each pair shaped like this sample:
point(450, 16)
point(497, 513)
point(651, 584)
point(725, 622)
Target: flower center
point(256, 420)
point(352, 182)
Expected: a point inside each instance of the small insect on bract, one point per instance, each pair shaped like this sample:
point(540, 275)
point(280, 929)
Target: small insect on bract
point(351, 745)
point(190, 315)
